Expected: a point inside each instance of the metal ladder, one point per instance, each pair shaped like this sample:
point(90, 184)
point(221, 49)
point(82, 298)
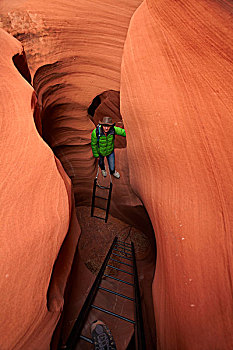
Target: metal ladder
point(117, 249)
point(94, 196)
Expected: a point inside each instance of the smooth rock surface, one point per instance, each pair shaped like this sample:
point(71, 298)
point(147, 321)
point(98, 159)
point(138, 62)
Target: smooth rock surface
point(74, 49)
point(74, 56)
point(39, 229)
point(176, 95)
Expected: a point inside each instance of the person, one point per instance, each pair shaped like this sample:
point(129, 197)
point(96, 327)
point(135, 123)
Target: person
point(101, 336)
point(102, 143)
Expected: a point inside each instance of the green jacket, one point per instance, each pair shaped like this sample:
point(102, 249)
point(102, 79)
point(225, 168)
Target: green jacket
point(105, 146)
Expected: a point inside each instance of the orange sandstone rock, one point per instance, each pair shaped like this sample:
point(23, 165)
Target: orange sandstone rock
point(39, 229)
point(176, 96)
point(74, 50)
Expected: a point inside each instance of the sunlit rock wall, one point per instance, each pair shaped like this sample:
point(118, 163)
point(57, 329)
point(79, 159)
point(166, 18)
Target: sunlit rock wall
point(75, 48)
point(39, 229)
point(176, 103)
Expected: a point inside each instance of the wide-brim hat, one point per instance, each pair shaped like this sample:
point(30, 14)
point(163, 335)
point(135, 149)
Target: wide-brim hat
point(107, 121)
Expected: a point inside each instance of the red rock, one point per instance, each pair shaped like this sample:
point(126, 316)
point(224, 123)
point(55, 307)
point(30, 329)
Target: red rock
point(39, 229)
point(74, 51)
point(176, 96)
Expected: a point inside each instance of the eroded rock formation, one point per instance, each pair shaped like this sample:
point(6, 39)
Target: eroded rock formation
point(73, 63)
point(75, 49)
point(176, 103)
point(72, 60)
point(176, 95)
point(39, 229)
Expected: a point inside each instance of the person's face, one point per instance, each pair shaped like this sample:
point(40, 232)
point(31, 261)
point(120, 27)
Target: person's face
point(106, 128)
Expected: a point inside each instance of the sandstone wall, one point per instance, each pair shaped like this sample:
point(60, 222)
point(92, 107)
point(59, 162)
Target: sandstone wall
point(75, 49)
point(176, 103)
point(39, 229)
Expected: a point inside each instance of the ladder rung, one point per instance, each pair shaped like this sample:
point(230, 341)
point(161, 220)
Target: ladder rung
point(101, 197)
point(94, 216)
point(113, 314)
point(123, 242)
point(122, 256)
point(103, 187)
point(112, 292)
point(121, 262)
point(101, 208)
point(116, 268)
point(120, 246)
point(86, 339)
point(121, 251)
point(119, 280)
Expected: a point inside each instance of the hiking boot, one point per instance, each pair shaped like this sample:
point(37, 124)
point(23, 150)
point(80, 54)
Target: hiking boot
point(101, 336)
point(104, 173)
point(116, 174)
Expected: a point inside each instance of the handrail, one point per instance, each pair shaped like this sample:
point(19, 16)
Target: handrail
point(139, 329)
point(75, 334)
point(79, 323)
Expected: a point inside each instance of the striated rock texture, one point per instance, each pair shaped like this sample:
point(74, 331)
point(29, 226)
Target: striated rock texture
point(176, 95)
point(74, 48)
point(39, 229)
point(74, 51)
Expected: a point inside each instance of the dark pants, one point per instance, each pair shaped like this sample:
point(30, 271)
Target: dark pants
point(111, 162)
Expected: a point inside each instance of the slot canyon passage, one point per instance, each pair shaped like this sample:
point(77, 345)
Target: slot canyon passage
point(162, 69)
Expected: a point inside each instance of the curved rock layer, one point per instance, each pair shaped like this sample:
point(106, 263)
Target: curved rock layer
point(39, 229)
point(81, 43)
point(75, 47)
point(176, 96)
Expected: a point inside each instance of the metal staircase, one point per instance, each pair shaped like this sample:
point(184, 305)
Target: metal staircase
point(118, 250)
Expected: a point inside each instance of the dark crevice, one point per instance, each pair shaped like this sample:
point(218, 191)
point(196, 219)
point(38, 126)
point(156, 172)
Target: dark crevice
point(94, 105)
point(58, 115)
point(107, 104)
point(20, 62)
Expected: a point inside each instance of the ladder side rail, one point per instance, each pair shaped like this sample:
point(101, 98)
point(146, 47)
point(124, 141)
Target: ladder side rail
point(140, 342)
point(79, 323)
point(108, 203)
point(93, 197)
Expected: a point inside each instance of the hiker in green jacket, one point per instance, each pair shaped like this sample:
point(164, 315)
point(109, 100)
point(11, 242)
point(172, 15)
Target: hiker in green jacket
point(102, 143)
